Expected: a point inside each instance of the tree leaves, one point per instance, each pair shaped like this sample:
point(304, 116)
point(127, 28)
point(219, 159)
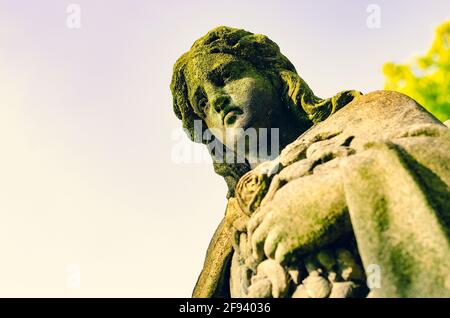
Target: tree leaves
point(426, 78)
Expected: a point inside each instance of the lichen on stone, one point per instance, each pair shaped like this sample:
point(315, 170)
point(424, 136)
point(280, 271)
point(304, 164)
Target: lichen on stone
point(265, 55)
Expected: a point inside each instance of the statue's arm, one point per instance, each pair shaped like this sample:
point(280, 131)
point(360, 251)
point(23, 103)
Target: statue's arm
point(214, 277)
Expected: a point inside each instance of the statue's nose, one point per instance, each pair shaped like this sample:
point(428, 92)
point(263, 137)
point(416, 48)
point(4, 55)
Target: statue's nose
point(220, 103)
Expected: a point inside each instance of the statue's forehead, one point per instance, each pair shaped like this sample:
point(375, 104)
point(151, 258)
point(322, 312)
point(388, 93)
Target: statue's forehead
point(199, 66)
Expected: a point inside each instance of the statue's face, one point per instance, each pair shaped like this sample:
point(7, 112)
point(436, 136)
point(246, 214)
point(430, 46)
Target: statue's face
point(229, 93)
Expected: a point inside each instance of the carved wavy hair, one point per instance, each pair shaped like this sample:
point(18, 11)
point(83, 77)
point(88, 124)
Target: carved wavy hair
point(266, 57)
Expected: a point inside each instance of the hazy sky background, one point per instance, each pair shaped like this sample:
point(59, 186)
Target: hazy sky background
point(86, 124)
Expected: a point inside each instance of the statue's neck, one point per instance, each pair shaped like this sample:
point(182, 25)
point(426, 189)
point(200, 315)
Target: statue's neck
point(283, 131)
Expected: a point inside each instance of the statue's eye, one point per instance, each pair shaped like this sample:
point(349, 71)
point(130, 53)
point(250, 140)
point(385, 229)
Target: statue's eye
point(202, 103)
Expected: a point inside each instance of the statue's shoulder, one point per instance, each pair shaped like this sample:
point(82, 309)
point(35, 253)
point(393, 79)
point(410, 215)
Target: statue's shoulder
point(374, 116)
point(377, 117)
point(379, 112)
point(385, 96)
point(384, 102)
point(388, 100)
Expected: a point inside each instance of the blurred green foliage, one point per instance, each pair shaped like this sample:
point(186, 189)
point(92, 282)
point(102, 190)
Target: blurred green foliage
point(426, 78)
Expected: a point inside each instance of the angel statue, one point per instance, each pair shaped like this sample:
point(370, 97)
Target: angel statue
point(356, 202)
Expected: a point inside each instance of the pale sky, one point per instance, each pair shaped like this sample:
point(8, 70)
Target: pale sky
point(91, 200)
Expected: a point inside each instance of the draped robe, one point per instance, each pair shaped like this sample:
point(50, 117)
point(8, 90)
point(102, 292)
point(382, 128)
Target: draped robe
point(392, 159)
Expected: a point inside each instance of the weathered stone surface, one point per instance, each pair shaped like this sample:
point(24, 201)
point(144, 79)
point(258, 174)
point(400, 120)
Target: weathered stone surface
point(343, 290)
point(317, 286)
point(423, 139)
point(276, 274)
point(261, 288)
point(386, 127)
point(300, 292)
point(251, 190)
point(372, 168)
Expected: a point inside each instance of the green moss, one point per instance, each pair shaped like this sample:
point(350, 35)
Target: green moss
point(264, 54)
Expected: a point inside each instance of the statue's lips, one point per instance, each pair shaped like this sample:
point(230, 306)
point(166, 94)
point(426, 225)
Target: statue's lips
point(230, 115)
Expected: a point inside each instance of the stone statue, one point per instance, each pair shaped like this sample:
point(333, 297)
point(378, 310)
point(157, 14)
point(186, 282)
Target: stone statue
point(357, 204)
